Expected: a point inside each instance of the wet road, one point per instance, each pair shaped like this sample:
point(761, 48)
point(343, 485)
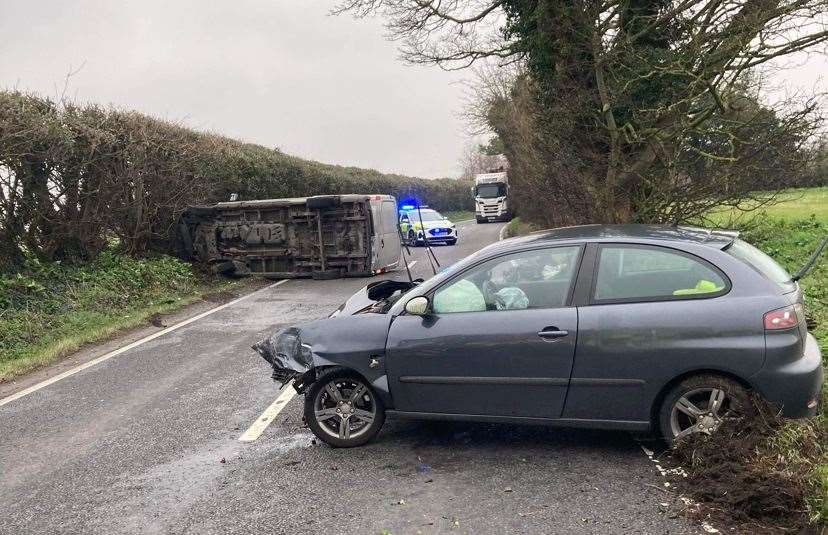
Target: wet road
point(148, 441)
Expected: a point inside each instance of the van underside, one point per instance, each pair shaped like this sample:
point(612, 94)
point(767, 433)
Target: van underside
point(322, 237)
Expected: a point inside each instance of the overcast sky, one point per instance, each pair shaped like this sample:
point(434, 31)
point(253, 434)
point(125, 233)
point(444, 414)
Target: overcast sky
point(281, 73)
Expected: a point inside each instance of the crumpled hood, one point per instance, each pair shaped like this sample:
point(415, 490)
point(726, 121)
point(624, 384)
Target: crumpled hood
point(350, 341)
point(372, 297)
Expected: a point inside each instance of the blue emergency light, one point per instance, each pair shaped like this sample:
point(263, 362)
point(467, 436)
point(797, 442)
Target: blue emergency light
point(408, 204)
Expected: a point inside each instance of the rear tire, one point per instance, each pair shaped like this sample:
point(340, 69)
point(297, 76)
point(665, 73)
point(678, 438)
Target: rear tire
point(339, 391)
point(451, 242)
point(700, 404)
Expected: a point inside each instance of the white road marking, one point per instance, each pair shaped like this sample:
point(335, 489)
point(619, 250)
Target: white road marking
point(102, 358)
point(411, 264)
point(257, 428)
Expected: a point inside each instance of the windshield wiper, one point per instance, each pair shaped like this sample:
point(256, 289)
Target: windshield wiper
point(811, 261)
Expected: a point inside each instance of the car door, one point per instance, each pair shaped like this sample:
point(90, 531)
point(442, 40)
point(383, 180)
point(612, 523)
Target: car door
point(499, 339)
point(654, 313)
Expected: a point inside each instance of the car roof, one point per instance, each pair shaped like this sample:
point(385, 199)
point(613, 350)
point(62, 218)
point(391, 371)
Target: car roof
point(718, 239)
point(414, 210)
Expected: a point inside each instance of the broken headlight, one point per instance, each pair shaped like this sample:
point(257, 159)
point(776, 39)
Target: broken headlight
point(284, 350)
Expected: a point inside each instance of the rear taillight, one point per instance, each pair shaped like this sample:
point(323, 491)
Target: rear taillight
point(781, 318)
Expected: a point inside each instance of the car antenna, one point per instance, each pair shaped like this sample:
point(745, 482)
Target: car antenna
point(403, 244)
point(429, 252)
point(811, 261)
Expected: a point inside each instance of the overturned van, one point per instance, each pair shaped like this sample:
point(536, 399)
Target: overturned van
point(323, 237)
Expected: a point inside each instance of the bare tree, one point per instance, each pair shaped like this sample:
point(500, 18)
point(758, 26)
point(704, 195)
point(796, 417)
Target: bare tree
point(643, 104)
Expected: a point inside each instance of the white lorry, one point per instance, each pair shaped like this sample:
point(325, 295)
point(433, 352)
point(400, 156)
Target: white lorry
point(491, 197)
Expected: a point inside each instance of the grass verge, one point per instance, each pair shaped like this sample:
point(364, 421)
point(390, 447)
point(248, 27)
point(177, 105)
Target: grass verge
point(47, 311)
point(458, 215)
point(518, 227)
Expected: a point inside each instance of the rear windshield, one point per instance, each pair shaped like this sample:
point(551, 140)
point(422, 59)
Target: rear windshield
point(761, 262)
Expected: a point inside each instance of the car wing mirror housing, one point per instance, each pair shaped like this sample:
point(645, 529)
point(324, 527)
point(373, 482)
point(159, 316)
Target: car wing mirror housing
point(417, 306)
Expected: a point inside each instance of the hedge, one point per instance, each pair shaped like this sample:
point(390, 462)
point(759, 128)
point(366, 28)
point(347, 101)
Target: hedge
point(75, 177)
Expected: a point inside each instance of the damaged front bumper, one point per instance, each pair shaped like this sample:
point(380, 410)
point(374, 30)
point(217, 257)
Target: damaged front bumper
point(355, 342)
point(286, 354)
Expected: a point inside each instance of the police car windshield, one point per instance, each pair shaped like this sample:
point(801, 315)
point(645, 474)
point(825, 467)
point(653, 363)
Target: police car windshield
point(428, 215)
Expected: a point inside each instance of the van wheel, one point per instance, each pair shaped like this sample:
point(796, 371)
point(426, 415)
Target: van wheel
point(342, 409)
point(479, 219)
point(701, 404)
point(451, 242)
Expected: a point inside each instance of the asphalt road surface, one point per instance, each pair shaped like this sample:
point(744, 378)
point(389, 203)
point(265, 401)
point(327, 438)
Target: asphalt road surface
point(148, 441)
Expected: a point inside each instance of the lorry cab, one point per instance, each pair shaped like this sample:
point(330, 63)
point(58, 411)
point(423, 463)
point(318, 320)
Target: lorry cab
point(491, 192)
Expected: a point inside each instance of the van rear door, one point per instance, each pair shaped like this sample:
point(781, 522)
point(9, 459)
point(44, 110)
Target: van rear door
point(391, 239)
point(385, 239)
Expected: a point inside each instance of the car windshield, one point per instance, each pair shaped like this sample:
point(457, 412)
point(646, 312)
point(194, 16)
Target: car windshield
point(761, 262)
point(428, 215)
point(491, 191)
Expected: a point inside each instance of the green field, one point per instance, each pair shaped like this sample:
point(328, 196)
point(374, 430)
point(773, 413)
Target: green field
point(789, 205)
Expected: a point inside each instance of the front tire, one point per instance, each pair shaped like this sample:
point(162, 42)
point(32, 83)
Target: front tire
point(342, 409)
point(701, 404)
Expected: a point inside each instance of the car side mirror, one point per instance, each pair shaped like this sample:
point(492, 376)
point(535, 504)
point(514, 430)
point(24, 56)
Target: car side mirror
point(417, 306)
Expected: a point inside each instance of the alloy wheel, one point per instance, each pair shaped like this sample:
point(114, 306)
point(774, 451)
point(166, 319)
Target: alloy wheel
point(345, 408)
point(701, 410)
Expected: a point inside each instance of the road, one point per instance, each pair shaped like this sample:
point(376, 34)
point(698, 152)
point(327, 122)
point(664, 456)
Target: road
point(148, 441)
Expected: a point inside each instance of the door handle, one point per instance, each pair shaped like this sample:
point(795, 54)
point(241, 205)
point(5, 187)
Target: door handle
point(552, 333)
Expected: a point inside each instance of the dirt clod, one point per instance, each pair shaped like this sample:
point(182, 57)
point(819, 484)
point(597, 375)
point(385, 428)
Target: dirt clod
point(733, 475)
point(157, 320)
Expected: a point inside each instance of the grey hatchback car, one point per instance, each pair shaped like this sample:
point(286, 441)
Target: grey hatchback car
point(630, 327)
